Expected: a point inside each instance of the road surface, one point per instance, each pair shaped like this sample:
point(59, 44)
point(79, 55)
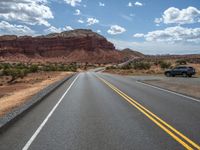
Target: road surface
point(96, 111)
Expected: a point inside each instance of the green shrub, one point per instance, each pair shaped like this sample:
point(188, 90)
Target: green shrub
point(14, 73)
point(141, 65)
point(126, 67)
point(6, 65)
point(110, 67)
point(33, 68)
point(181, 62)
point(165, 65)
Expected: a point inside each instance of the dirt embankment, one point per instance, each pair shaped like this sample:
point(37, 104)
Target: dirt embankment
point(14, 95)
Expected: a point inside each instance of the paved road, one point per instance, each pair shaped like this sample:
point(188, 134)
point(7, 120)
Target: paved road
point(95, 111)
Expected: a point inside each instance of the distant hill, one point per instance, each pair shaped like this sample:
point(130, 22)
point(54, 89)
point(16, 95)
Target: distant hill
point(79, 45)
point(131, 53)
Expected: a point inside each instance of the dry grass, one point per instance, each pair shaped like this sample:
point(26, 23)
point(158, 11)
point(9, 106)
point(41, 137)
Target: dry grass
point(16, 94)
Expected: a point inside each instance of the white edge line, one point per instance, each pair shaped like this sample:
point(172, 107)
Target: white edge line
point(194, 99)
point(30, 141)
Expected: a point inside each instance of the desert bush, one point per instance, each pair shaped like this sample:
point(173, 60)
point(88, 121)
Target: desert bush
point(14, 73)
point(165, 65)
point(110, 67)
point(72, 67)
point(126, 67)
point(59, 67)
point(141, 65)
point(5, 65)
point(23, 73)
point(33, 68)
point(181, 62)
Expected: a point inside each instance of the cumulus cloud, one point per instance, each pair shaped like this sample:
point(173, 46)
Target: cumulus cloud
point(101, 4)
point(98, 31)
point(130, 4)
point(116, 29)
point(180, 16)
point(155, 48)
point(53, 29)
point(73, 3)
point(80, 21)
point(138, 4)
point(158, 20)
point(77, 12)
point(138, 35)
point(91, 21)
point(7, 28)
point(26, 11)
point(67, 28)
point(175, 34)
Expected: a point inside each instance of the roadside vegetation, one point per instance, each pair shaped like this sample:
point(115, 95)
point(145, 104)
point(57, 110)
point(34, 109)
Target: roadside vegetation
point(20, 70)
point(150, 66)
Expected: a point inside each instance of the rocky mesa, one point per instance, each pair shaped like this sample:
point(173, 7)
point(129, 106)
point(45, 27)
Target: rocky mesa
point(79, 45)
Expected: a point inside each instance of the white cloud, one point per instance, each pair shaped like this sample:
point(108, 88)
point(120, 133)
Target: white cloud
point(91, 21)
point(130, 4)
point(138, 4)
point(80, 21)
point(98, 31)
point(7, 28)
point(158, 20)
point(175, 34)
point(101, 4)
point(138, 35)
point(77, 12)
point(155, 48)
point(53, 29)
point(26, 11)
point(67, 28)
point(177, 16)
point(73, 3)
point(116, 29)
point(129, 18)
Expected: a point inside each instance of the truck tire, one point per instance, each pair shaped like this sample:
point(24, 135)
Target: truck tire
point(185, 75)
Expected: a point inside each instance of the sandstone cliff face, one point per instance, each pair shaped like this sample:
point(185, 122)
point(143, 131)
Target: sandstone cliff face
point(77, 45)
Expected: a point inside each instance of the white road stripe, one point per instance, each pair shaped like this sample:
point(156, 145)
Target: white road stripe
point(28, 144)
point(191, 98)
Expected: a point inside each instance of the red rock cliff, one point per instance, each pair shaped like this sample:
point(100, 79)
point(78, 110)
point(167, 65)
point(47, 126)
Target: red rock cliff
point(77, 45)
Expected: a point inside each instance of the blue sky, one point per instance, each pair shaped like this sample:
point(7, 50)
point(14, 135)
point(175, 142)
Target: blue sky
point(148, 26)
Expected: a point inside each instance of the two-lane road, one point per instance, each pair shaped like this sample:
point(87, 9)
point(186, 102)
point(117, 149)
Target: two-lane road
point(100, 111)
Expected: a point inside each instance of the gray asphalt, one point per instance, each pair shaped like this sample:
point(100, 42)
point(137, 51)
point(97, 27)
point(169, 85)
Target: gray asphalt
point(94, 117)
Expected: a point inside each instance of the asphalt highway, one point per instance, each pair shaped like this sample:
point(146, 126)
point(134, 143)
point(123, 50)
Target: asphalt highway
point(96, 111)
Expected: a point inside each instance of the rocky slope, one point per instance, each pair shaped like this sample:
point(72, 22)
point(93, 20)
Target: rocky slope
point(70, 46)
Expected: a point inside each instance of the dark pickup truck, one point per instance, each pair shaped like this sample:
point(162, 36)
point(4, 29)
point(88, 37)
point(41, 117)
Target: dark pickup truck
point(185, 71)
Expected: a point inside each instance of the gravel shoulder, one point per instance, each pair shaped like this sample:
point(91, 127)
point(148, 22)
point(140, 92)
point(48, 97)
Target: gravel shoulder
point(186, 86)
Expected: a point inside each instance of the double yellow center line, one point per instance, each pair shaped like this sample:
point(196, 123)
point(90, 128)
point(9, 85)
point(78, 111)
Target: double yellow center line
point(175, 134)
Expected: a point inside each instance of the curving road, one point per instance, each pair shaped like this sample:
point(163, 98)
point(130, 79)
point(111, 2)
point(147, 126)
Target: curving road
point(96, 111)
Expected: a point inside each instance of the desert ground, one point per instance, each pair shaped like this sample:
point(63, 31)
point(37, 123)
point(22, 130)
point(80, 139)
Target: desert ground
point(15, 94)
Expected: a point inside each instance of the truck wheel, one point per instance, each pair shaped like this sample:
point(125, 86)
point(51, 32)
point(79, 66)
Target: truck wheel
point(168, 74)
point(185, 75)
